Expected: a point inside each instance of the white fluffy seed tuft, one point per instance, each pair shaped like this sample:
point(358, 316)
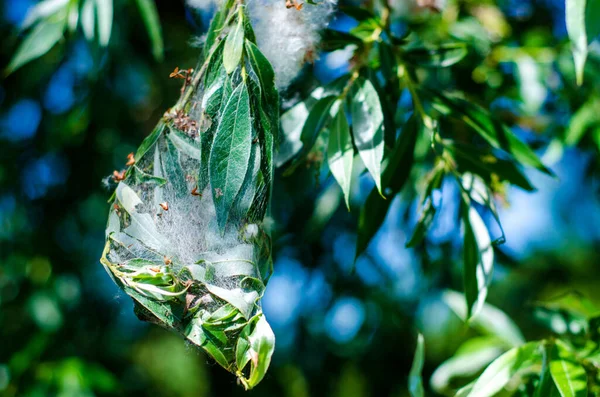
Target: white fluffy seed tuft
point(288, 37)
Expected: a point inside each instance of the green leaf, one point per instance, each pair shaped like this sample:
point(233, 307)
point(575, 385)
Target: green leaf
point(570, 313)
point(319, 116)
point(340, 153)
point(242, 300)
point(152, 21)
point(263, 69)
point(481, 121)
point(293, 120)
point(497, 375)
point(230, 153)
point(367, 127)
point(395, 175)
point(270, 97)
point(149, 142)
point(367, 30)
point(428, 208)
point(490, 321)
point(43, 10)
point(262, 342)
point(142, 225)
point(292, 123)
point(214, 30)
point(574, 303)
point(142, 177)
point(469, 360)
point(439, 57)
point(569, 376)
point(104, 11)
point(39, 41)
point(592, 16)
point(415, 380)
point(478, 259)
point(488, 166)
point(184, 143)
point(576, 29)
point(583, 120)
point(546, 386)
point(477, 190)
point(234, 44)
point(88, 20)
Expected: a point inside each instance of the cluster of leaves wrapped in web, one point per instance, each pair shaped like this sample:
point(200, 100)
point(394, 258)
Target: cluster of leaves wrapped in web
point(185, 236)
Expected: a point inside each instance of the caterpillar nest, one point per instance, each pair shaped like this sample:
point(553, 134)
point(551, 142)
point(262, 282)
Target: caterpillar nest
point(185, 236)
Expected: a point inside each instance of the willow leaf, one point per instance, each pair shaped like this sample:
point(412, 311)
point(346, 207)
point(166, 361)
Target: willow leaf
point(415, 379)
point(367, 126)
point(569, 376)
point(340, 153)
point(39, 41)
point(151, 20)
point(234, 44)
point(395, 175)
point(230, 153)
point(497, 375)
point(104, 13)
point(576, 29)
point(478, 259)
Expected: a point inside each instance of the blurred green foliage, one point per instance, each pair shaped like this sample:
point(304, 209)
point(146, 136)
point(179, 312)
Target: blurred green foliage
point(67, 331)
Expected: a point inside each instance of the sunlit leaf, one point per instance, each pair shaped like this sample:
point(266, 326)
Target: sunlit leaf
point(142, 225)
point(104, 11)
point(576, 28)
point(415, 380)
point(234, 44)
point(583, 120)
point(569, 376)
point(184, 143)
point(292, 122)
point(367, 127)
point(469, 360)
point(151, 20)
point(340, 153)
point(546, 386)
point(478, 256)
point(497, 375)
point(491, 320)
point(532, 86)
point(367, 30)
point(317, 119)
point(39, 41)
point(88, 19)
point(41, 11)
point(395, 175)
point(428, 207)
point(262, 343)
